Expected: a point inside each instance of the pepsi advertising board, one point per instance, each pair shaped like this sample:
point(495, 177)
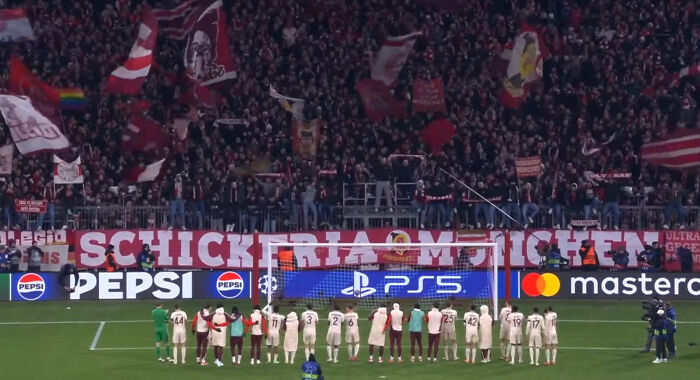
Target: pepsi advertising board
point(132, 285)
point(394, 284)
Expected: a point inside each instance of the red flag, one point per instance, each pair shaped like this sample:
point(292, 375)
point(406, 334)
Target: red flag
point(14, 25)
point(129, 78)
point(525, 60)
point(146, 173)
point(45, 99)
point(388, 62)
point(208, 55)
point(178, 22)
point(428, 96)
point(678, 150)
point(378, 100)
point(438, 133)
point(142, 134)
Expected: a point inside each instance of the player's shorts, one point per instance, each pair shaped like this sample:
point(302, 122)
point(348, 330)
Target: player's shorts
point(505, 333)
point(516, 339)
point(218, 339)
point(162, 336)
point(448, 336)
point(352, 336)
point(472, 337)
point(309, 337)
point(333, 338)
point(535, 341)
point(179, 337)
point(273, 339)
point(551, 338)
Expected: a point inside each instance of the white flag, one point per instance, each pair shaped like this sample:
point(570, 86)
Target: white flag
point(293, 105)
point(14, 25)
point(146, 174)
point(31, 131)
point(6, 153)
point(67, 172)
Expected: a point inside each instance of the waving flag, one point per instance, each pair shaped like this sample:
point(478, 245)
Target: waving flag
point(146, 173)
point(67, 172)
point(43, 97)
point(292, 105)
point(378, 100)
point(14, 25)
point(307, 137)
point(72, 99)
point(438, 133)
point(129, 78)
point(32, 132)
point(388, 62)
point(208, 55)
point(679, 150)
point(525, 59)
point(177, 23)
point(6, 155)
point(142, 134)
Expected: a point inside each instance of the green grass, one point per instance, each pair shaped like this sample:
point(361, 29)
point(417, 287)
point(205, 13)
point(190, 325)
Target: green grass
point(62, 351)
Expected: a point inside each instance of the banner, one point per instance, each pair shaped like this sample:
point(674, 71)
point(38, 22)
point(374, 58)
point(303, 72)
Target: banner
point(307, 137)
point(428, 96)
point(609, 285)
point(133, 286)
point(6, 156)
point(525, 58)
point(389, 60)
point(207, 54)
point(31, 131)
point(394, 284)
point(14, 25)
point(54, 257)
point(607, 176)
point(67, 172)
point(57, 237)
point(378, 101)
point(528, 166)
point(678, 150)
point(30, 206)
point(129, 78)
point(686, 239)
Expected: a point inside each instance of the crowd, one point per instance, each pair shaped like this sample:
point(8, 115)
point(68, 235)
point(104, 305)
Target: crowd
point(604, 54)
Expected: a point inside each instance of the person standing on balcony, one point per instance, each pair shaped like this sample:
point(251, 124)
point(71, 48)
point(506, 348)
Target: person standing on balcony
point(382, 175)
point(530, 209)
point(511, 201)
point(418, 202)
point(231, 201)
point(324, 213)
point(177, 202)
point(308, 206)
point(611, 205)
point(49, 196)
point(675, 197)
point(198, 195)
point(438, 198)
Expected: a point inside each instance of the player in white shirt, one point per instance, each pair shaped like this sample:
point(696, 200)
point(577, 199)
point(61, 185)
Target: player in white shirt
point(352, 332)
point(377, 335)
point(274, 324)
point(515, 320)
point(309, 319)
point(335, 322)
point(179, 319)
point(550, 335)
point(396, 332)
point(485, 326)
point(471, 320)
point(257, 330)
point(535, 327)
point(291, 337)
point(449, 333)
point(504, 335)
point(434, 322)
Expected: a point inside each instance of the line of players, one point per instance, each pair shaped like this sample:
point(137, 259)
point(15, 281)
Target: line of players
point(211, 329)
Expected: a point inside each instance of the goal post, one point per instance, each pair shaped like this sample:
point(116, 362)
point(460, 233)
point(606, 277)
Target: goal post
point(400, 271)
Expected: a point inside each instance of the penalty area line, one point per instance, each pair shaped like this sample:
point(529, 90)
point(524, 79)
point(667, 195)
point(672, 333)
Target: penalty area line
point(19, 323)
point(93, 346)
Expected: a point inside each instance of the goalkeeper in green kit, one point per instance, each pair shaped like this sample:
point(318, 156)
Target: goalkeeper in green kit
point(160, 320)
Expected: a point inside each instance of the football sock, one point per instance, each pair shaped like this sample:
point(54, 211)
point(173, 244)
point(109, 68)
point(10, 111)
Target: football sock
point(512, 354)
point(554, 354)
point(175, 355)
point(306, 353)
point(269, 356)
point(167, 351)
point(454, 350)
point(329, 349)
point(520, 352)
point(350, 350)
point(532, 355)
point(183, 350)
point(473, 354)
point(546, 354)
point(158, 352)
point(537, 355)
point(357, 349)
point(335, 353)
point(466, 353)
point(294, 353)
point(286, 357)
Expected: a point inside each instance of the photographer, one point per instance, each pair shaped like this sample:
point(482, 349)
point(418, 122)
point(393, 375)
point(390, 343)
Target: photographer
point(671, 341)
point(621, 258)
point(648, 260)
point(651, 308)
point(554, 259)
point(147, 259)
point(661, 327)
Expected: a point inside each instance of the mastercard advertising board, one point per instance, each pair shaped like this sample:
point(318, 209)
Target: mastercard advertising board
point(609, 285)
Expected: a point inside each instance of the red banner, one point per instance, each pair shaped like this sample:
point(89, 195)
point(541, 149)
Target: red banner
point(30, 206)
point(528, 166)
point(686, 239)
point(429, 96)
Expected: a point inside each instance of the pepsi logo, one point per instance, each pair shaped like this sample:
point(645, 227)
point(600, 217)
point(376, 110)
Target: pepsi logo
point(230, 284)
point(31, 287)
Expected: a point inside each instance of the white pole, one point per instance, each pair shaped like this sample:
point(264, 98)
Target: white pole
point(494, 289)
point(269, 274)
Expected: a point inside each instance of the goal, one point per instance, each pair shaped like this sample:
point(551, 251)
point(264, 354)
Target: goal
point(369, 275)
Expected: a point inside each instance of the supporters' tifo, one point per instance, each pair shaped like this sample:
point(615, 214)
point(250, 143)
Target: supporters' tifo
point(349, 189)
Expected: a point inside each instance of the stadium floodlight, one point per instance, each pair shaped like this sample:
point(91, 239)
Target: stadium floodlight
point(401, 271)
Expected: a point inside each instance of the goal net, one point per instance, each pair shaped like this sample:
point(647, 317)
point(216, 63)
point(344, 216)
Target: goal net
point(369, 275)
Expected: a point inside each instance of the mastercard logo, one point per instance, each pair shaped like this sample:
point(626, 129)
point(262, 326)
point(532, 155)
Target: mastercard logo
point(546, 284)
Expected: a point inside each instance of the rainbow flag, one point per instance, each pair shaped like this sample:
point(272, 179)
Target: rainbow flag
point(72, 99)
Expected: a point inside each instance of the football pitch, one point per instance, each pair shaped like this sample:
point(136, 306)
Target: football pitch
point(114, 340)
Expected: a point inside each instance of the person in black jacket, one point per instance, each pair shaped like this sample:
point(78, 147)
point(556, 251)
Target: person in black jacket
point(14, 255)
point(438, 197)
point(611, 205)
point(511, 201)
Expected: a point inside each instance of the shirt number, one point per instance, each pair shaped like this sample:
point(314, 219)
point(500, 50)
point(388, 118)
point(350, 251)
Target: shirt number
point(472, 321)
point(517, 322)
point(274, 323)
point(351, 322)
point(448, 319)
point(309, 320)
point(179, 320)
point(335, 321)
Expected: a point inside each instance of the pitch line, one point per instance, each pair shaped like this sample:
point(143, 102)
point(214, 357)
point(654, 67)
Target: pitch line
point(12, 323)
point(403, 346)
point(97, 336)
